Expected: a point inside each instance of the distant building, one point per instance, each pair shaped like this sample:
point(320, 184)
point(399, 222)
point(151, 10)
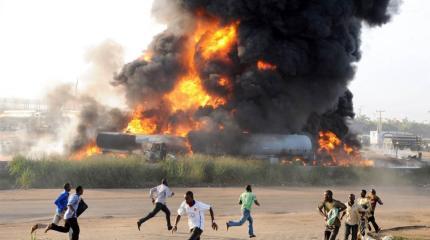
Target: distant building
point(396, 140)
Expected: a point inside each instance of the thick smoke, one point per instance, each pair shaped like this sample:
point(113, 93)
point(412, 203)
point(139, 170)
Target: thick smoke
point(75, 113)
point(314, 45)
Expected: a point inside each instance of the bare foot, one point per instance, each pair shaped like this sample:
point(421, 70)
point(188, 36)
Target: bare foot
point(49, 227)
point(34, 228)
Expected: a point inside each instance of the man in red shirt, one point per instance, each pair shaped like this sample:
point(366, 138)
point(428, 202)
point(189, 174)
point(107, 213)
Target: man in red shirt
point(374, 201)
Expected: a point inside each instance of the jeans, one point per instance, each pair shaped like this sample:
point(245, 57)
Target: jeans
point(351, 230)
point(331, 232)
point(71, 223)
point(195, 234)
point(158, 207)
point(246, 216)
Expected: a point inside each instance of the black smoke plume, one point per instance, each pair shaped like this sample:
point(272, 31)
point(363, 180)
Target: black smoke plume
point(314, 45)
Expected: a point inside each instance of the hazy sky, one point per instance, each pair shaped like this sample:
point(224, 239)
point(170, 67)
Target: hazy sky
point(43, 43)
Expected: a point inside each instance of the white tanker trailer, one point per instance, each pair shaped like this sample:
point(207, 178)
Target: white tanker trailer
point(266, 146)
point(278, 147)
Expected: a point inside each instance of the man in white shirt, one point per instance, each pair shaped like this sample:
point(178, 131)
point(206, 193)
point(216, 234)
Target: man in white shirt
point(70, 216)
point(195, 211)
point(353, 212)
point(158, 195)
point(364, 203)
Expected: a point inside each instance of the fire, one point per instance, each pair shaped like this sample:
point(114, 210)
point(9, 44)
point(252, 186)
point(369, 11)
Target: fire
point(218, 43)
point(87, 151)
point(139, 125)
point(341, 154)
point(183, 129)
point(328, 141)
point(264, 66)
point(210, 39)
point(190, 94)
point(225, 83)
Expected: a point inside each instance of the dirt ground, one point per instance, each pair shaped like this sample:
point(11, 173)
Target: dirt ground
point(286, 213)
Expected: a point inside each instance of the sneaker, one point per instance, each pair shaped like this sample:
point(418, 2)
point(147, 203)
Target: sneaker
point(138, 225)
point(252, 236)
point(34, 228)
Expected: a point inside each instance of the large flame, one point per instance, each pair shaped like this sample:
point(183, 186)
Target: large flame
point(219, 42)
point(139, 124)
point(340, 153)
point(87, 151)
point(211, 40)
point(189, 94)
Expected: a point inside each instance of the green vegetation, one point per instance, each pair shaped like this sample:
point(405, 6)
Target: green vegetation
point(363, 125)
point(6, 180)
point(197, 170)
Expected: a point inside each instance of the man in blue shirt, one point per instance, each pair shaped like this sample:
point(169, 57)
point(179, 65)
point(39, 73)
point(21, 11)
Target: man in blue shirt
point(70, 216)
point(61, 203)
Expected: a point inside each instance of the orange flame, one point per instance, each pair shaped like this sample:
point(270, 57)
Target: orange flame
point(139, 125)
point(264, 66)
point(87, 151)
point(189, 94)
point(341, 154)
point(210, 39)
point(219, 42)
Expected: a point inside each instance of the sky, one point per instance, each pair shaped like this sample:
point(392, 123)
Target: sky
point(43, 43)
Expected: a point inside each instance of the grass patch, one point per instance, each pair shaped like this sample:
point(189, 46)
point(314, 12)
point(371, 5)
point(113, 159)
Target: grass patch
point(197, 170)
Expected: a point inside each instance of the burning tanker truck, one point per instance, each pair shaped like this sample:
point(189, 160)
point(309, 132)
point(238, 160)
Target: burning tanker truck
point(245, 77)
point(159, 147)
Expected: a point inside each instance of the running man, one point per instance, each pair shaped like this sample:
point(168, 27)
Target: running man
point(158, 195)
point(374, 200)
point(61, 203)
point(330, 208)
point(196, 216)
point(70, 216)
point(352, 214)
point(247, 199)
point(364, 203)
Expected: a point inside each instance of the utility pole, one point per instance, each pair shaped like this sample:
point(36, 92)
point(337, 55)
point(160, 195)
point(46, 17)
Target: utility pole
point(380, 120)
